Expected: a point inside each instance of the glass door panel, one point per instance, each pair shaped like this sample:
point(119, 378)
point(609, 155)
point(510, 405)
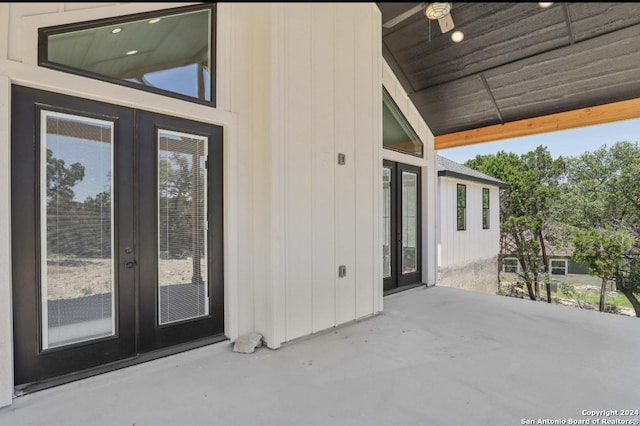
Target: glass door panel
point(182, 211)
point(386, 223)
point(77, 264)
point(409, 222)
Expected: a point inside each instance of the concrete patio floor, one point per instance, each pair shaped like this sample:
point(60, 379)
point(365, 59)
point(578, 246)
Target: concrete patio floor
point(436, 356)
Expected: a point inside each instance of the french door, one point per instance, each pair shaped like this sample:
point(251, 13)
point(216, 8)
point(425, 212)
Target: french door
point(401, 226)
point(116, 233)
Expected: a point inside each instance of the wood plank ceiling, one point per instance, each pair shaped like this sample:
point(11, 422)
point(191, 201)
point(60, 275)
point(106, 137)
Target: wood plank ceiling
point(517, 61)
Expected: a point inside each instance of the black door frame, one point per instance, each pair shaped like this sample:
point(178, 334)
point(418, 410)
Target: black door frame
point(399, 281)
point(135, 340)
point(154, 336)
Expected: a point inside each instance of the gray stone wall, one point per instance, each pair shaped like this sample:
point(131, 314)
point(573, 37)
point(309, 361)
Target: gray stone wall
point(480, 276)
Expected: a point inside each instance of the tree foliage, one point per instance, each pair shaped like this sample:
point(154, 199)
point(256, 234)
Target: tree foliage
point(603, 250)
point(525, 206)
point(75, 228)
point(601, 194)
point(179, 189)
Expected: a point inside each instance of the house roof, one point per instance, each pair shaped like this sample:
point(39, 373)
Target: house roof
point(557, 240)
point(518, 61)
point(450, 168)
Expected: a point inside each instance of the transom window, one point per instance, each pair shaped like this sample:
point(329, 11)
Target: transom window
point(169, 52)
point(397, 133)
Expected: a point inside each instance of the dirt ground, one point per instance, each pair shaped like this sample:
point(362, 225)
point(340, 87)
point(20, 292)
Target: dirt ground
point(581, 283)
point(71, 277)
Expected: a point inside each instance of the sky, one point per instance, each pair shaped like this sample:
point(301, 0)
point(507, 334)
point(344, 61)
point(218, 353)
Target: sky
point(566, 143)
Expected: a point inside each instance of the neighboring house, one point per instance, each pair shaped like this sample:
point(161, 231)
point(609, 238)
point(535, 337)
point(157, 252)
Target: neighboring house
point(558, 248)
point(140, 216)
point(468, 226)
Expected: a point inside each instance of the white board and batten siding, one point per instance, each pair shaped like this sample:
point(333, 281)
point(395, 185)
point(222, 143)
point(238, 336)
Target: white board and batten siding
point(331, 103)
point(305, 82)
point(474, 243)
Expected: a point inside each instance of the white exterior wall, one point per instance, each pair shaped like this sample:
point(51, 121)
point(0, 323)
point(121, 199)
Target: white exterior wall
point(305, 84)
point(296, 85)
point(428, 165)
point(474, 244)
point(314, 92)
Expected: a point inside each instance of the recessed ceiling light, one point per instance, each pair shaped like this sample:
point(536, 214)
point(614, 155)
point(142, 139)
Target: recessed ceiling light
point(132, 52)
point(544, 5)
point(116, 30)
point(457, 36)
point(154, 20)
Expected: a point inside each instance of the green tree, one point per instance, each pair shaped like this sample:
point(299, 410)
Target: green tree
point(603, 250)
point(181, 203)
point(601, 192)
point(62, 228)
point(61, 179)
point(525, 207)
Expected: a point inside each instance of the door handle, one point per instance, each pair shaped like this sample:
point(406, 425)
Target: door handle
point(130, 264)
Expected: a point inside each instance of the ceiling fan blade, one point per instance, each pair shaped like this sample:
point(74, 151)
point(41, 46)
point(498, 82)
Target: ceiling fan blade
point(446, 23)
point(405, 15)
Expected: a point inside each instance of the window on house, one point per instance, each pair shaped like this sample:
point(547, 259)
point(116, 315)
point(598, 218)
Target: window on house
point(462, 207)
point(510, 265)
point(485, 208)
point(169, 53)
point(558, 266)
point(397, 133)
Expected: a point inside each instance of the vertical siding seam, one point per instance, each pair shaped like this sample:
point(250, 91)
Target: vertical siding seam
point(4, 29)
point(312, 270)
point(285, 163)
point(253, 189)
point(332, 268)
point(370, 159)
point(355, 167)
point(335, 180)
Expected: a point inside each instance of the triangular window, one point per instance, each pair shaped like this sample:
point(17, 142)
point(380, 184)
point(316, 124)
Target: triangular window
point(397, 133)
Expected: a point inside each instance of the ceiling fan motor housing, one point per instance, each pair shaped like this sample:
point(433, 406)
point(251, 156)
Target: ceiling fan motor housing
point(437, 10)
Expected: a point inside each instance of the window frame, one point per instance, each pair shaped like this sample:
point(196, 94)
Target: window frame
point(403, 122)
point(551, 267)
point(486, 210)
point(45, 32)
point(461, 208)
point(504, 265)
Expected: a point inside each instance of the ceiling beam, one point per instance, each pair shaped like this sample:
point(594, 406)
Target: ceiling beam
point(601, 114)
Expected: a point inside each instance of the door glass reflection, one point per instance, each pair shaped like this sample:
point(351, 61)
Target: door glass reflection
point(182, 211)
point(76, 218)
point(409, 222)
point(386, 220)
